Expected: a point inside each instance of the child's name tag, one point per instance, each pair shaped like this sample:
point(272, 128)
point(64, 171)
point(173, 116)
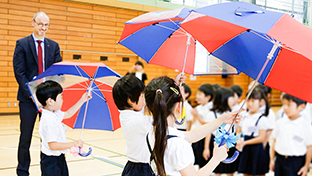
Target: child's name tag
point(298, 138)
point(251, 129)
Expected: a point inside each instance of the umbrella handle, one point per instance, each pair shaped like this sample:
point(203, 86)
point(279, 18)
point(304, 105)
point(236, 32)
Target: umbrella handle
point(85, 154)
point(232, 159)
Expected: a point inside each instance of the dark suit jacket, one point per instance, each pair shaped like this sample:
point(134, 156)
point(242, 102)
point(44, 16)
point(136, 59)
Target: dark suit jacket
point(25, 62)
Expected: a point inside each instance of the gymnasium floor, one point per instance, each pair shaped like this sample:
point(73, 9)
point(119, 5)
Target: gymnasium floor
point(107, 159)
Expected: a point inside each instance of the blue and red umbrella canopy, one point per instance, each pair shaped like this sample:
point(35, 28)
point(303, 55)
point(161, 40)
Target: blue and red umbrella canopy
point(76, 78)
point(242, 35)
point(158, 38)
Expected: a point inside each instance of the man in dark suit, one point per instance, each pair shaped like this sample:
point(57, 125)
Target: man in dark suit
point(33, 55)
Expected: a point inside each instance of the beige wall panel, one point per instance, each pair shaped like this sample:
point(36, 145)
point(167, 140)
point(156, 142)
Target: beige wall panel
point(11, 74)
point(79, 5)
point(3, 42)
point(14, 17)
point(69, 47)
point(58, 7)
point(18, 7)
point(104, 45)
point(105, 18)
point(25, 13)
point(4, 84)
point(21, 34)
point(7, 48)
point(3, 73)
point(104, 36)
point(3, 53)
point(20, 23)
point(53, 2)
point(56, 36)
point(3, 95)
point(70, 23)
point(6, 79)
point(3, 10)
point(73, 33)
point(25, 3)
point(107, 27)
point(91, 39)
point(9, 110)
point(78, 29)
point(4, 63)
point(3, 32)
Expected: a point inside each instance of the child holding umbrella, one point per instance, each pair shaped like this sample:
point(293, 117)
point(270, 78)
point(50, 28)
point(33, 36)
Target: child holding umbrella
point(52, 130)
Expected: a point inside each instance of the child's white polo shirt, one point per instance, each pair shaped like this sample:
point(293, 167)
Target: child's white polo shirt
point(292, 136)
point(202, 111)
point(134, 127)
point(248, 124)
point(51, 129)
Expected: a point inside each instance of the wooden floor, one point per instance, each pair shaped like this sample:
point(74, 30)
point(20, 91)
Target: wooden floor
point(107, 159)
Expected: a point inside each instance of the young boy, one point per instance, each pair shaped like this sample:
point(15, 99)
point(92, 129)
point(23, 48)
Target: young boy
point(128, 94)
point(52, 130)
point(292, 142)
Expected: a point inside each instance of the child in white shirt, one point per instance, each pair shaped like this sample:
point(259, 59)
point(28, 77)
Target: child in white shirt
point(52, 130)
point(292, 143)
point(128, 94)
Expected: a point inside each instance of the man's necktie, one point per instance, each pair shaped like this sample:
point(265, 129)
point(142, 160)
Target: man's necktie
point(40, 61)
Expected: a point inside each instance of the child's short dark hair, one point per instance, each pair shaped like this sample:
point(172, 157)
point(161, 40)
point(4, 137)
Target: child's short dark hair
point(187, 89)
point(237, 89)
point(139, 63)
point(126, 87)
point(207, 89)
point(46, 90)
point(294, 99)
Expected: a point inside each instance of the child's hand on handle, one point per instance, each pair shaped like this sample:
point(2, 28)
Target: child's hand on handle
point(78, 143)
point(180, 78)
point(229, 117)
point(220, 153)
point(86, 96)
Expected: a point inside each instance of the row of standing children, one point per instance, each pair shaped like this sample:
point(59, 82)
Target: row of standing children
point(255, 130)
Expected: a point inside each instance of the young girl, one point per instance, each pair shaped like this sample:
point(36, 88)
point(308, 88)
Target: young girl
point(204, 97)
point(173, 154)
point(223, 102)
point(254, 157)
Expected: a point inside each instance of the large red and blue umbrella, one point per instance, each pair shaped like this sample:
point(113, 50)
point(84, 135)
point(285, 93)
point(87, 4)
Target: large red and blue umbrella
point(245, 35)
point(100, 112)
point(158, 38)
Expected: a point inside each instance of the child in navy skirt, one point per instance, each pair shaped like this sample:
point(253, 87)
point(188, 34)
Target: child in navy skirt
point(223, 102)
point(255, 157)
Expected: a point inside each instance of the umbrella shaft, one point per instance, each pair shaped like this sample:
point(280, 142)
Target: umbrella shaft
point(270, 55)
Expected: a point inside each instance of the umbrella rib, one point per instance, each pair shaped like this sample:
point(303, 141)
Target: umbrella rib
point(79, 73)
point(174, 30)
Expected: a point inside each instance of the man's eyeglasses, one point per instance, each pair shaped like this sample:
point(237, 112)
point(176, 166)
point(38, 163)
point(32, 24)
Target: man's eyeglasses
point(41, 24)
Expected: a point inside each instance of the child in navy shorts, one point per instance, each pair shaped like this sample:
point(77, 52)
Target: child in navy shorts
point(292, 140)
